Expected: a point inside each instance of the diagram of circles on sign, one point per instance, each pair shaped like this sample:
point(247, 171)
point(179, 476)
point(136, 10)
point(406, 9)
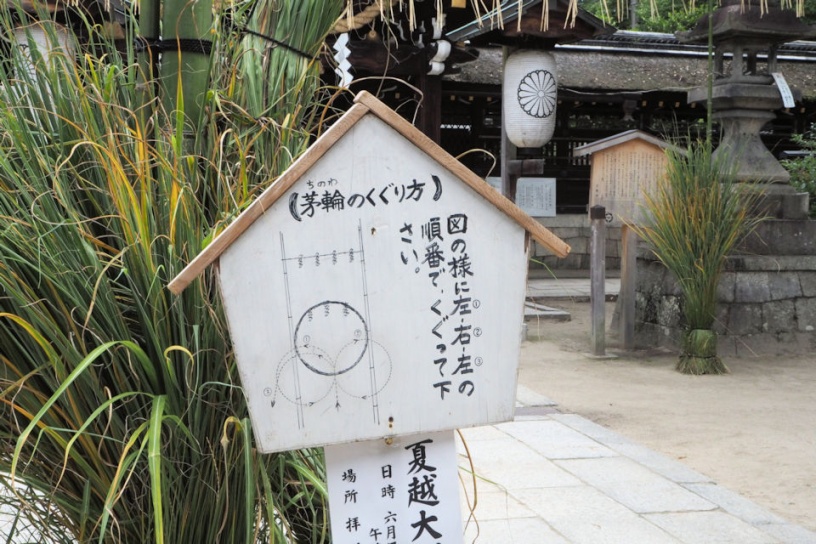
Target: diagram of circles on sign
point(333, 357)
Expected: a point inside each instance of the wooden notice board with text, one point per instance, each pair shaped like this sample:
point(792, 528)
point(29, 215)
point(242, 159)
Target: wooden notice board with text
point(625, 167)
point(375, 290)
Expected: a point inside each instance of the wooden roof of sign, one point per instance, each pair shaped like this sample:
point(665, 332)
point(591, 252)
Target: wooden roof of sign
point(365, 104)
point(618, 139)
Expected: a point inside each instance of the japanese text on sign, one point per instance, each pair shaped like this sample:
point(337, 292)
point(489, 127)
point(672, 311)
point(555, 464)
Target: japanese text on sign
point(438, 248)
point(326, 196)
point(387, 495)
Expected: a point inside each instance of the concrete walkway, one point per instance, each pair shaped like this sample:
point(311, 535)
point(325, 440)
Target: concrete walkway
point(552, 477)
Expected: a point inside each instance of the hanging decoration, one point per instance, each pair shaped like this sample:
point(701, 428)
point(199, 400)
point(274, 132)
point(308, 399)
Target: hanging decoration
point(529, 98)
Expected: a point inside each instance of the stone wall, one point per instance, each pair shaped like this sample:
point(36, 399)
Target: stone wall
point(576, 231)
point(767, 305)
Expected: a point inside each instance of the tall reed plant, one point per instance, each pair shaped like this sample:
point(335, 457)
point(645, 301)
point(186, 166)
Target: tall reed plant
point(694, 220)
point(121, 415)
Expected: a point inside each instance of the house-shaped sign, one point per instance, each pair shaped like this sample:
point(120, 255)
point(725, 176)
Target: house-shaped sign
point(625, 167)
point(375, 289)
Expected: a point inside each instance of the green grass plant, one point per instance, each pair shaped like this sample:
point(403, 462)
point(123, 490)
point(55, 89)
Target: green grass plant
point(694, 220)
point(803, 169)
point(121, 415)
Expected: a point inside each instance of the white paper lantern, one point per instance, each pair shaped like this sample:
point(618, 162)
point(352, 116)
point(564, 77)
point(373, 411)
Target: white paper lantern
point(529, 98)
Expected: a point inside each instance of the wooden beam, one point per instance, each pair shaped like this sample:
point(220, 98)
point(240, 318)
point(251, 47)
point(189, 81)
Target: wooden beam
point(372, 57)
point(430, 111)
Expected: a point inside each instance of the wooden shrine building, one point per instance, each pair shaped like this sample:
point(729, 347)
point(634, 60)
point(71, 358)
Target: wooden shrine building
point(608, 82)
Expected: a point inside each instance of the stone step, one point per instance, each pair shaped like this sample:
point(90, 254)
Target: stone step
point(534, 311)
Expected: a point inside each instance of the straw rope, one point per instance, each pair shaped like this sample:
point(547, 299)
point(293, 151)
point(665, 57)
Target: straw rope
point(351, 21)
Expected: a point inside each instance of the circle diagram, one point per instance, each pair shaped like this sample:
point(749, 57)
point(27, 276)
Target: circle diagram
point(331, 327)
point(537, 93)
point(377, 374)
point(290, 382)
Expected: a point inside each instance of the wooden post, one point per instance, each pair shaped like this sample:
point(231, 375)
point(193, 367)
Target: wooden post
point(430, 112)
point(597, 265)
point(509, 176)
point(627, 288)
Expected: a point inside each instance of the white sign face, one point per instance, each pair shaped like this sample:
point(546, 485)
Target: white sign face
point(404, 492)
point(535, 196)
point(784, 90)
point(379, 296)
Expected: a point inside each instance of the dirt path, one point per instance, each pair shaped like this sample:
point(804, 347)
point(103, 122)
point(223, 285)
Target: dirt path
point(752, 431)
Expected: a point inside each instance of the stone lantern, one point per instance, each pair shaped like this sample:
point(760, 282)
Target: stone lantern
point(745, 92)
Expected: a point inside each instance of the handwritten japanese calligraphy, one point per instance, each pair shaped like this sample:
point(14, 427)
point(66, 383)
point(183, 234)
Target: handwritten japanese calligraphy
point(404, 493)
point(440, 251)
point(315, 201)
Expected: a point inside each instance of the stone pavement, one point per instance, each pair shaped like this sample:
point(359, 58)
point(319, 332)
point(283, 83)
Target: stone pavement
point(552, 477)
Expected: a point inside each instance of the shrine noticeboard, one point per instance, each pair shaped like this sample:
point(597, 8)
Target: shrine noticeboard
point(535, 196)
point(625, 167)
point(375, 290)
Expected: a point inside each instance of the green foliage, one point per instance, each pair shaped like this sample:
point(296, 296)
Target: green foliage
point(121, 415)
point(694, 220)
point(803, 169)
point(669, 15)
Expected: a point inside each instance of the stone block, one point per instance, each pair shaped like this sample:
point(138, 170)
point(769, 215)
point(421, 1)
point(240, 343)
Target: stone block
point(745, 319)
point(727, 346)
point(726, 288)
point(633, 485)
point(752, 287)
point(646, 303)
point(767, 344)
point(710, 526)
point(795, 343)
point(544, 262)
point(567, 232)
point(668, 312)
point(671, 286)
point(721, 319)
point(565, 220)
point(781, 237)
point(577, 244)
point(613, 248)
point(779, 316)
point(770, 263)
point(807, 280)
point(648, 276)
point(806, 314)
point(651, 335)
point(784, 285)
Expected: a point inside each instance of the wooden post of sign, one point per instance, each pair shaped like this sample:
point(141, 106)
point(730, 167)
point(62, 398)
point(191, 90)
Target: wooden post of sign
point(597, 265)
point(627, 288)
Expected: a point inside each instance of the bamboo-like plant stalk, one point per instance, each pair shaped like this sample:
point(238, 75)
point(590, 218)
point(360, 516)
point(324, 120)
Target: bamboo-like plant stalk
point(187, 26)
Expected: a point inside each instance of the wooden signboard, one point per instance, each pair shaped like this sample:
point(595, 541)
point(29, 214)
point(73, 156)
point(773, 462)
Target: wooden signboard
point(624, 168)
point(375, 290)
